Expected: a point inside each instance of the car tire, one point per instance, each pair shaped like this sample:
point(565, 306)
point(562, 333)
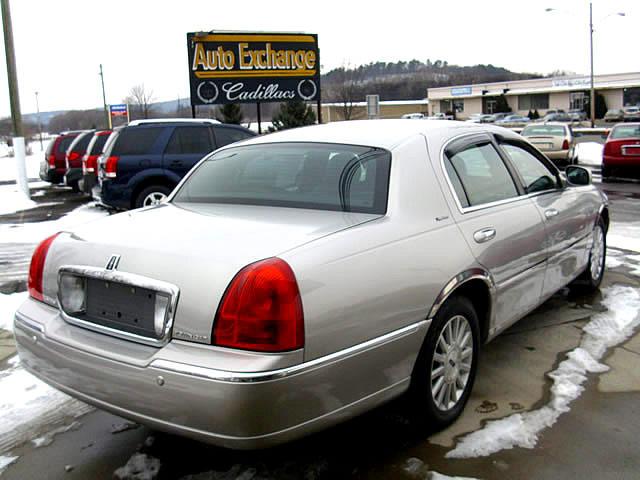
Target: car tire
point(75, 187)
point(591, 278)
point(151, 195)
point(442, 379)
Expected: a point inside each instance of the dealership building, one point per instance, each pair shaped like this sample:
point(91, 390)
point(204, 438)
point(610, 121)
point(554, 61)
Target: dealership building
point(542, 94)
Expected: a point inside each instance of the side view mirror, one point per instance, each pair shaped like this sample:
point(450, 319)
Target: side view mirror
point(578, 176)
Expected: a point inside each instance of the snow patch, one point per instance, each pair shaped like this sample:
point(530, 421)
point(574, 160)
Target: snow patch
point(5, 461)
point(139, 467)
point(624, 235)
point(605, 330)
point(27, 404)
point(47, 438)
point(13, 200)
point(417, 469)
point(8, 306)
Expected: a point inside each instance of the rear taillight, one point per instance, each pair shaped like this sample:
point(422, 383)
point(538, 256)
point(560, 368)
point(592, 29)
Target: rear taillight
point(565, 144)
point(36, 268)
point(261, 310)
point(52, 160)
point(73, 156)
point(111, 166)
point(89, 163)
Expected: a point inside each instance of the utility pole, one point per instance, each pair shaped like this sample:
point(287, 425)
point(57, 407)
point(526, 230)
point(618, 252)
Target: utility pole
point(14, 100)
point(104, 99)
point(592, 105)
point(39, 122)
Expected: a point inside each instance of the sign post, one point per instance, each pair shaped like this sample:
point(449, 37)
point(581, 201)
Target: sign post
point(117, 111)
point(373, 106)
point(241, 67)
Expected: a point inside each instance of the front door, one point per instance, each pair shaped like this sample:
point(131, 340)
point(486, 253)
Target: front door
point(567, 221)
point(501, 225)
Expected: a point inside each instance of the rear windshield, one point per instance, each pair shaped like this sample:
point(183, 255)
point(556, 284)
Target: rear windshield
point(83, 142)
point(98, 145)
point(298, 175)
point(553, 130)
point(626, 131)
point(136, 141)
point(64, 143)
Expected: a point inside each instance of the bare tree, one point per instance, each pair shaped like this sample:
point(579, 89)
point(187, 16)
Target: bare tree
point(346, 88)
point(141, 99)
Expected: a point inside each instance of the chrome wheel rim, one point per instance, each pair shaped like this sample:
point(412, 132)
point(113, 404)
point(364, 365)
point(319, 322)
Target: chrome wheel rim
point(451, 364)
point(597, 254)
point(154, 198)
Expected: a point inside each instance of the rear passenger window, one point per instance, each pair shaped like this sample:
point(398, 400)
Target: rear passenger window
point(537, 177)
point(188, 140)
point(225, 136)
point(136, 141)
point(482, 176)
point(65, 143)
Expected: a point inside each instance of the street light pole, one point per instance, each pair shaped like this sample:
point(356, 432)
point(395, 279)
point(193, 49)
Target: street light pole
point(104, 99)
point(592, 102)
point(39, 123)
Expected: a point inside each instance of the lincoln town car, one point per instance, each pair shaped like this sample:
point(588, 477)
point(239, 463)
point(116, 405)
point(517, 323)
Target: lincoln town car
point(295, 280)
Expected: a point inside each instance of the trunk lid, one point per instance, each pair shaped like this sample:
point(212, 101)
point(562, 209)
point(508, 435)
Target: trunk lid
point(196, 247)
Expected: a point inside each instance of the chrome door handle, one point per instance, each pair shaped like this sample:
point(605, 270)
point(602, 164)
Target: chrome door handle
point(484, 235)
point(552, 212)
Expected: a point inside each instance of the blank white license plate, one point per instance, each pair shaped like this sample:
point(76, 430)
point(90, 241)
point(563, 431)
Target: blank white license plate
point(544, 146)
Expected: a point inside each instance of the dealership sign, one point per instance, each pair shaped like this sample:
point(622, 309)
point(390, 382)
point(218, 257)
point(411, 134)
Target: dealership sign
point(119, 110)
point(457, 91)
point(234, 67)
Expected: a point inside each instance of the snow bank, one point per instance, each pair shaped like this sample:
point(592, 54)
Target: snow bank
point(26, 404)
point(589, 153)
point(32, 162)
point(13, 200)
point(602, 332)
point(8, 306)
point(5, 461)
point(624, 235)
point(38, 231)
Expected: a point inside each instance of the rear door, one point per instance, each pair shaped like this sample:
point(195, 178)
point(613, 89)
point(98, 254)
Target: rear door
point(186, 146)
point(501, 225)
point(567, 221)
point(225, 135)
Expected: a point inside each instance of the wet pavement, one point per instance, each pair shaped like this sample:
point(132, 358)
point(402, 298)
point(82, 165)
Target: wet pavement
point(597, 438)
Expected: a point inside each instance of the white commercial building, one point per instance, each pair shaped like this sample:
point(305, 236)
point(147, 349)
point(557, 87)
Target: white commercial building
point(542, 94)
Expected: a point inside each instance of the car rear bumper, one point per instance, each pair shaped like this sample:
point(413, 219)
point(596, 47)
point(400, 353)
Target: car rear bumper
point(52, 175)
point(557, 154)
point(242, 410)
point(623, 167)
point(115, 195)
point(72, 175)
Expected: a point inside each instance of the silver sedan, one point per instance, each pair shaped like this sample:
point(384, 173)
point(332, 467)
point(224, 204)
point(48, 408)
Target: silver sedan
point(297, 279)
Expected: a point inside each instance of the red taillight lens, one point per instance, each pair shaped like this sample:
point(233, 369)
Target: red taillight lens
point(565, 145)
point(52, 160)
point(37, 267)
point(261, 310)
point(111, 166)
point(73, 156)
point(89, 163)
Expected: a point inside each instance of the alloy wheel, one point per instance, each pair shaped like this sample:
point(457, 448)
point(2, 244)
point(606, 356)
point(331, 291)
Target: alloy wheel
point(597, 253)
point(154, 198)
point(451, 364)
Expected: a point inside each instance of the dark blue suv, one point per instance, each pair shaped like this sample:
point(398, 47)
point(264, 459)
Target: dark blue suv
point(145, 160)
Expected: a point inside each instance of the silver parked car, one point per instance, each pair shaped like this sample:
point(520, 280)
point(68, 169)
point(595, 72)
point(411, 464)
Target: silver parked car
point(297, 279)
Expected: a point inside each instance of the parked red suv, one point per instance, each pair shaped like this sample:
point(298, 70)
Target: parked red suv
point(621, 156)
point(54, 166)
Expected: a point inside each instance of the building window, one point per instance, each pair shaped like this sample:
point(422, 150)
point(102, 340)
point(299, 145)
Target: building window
point(533, 102)
point(458, 106)
point(631, 96)
point(490, 105)
point(445, 106)
point(578, 100)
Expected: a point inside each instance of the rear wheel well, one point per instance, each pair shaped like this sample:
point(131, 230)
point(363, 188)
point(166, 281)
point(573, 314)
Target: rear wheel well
point(147, 182)
point(477, 291)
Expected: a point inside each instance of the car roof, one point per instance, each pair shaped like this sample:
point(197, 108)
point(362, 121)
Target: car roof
point(171, 120)
point(375, 133)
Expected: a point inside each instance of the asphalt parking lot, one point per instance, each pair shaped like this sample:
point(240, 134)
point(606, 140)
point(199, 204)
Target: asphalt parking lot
point(594, 437)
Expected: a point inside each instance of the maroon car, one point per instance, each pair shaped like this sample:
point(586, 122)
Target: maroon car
point(54, 166)
point(621, 156)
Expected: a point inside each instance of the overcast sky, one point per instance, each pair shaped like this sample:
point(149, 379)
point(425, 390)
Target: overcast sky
point(60, 44)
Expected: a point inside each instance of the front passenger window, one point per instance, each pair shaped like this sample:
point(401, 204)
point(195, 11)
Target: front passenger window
point(537, 177)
